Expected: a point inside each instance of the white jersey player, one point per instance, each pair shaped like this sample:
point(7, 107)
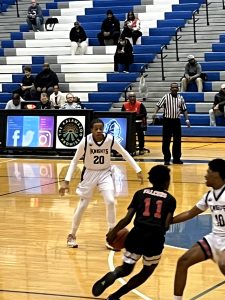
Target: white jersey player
point(96, 149)
point(212, 245)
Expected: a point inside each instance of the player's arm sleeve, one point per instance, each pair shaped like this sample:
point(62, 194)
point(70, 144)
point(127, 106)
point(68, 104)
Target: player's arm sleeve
point(74, 161)
point(202, 203)
point(126, 156)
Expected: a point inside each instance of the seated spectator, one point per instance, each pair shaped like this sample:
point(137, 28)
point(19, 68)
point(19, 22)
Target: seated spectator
point(35, 18)
point(192, 73)
point(70, 104)
point(218, 106)
point(123, 54)
point(44, 82)
point(110, 29)
point(15, 102)
point(78, 102)
point(132, 26)
point(57, 98)
point(133, 105)
point(78, 39)
point(45, 102)
point(27, 84)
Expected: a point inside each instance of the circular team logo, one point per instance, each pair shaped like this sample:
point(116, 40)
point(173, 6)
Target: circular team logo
point(70, 132)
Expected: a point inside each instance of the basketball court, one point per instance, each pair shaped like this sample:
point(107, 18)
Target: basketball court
point(35, 262)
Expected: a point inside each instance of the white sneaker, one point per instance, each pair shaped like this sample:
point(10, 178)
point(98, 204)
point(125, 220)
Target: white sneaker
point(71, 241)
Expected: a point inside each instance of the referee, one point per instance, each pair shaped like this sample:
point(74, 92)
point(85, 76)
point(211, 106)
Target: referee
point(173, 105)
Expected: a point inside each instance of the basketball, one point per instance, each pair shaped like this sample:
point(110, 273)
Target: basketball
point(119, 242)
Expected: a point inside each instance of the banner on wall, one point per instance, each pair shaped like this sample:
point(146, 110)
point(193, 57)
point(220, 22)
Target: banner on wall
point(69, 131)
point(30, 131)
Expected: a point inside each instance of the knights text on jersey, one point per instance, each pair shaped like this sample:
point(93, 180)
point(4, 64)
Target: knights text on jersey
point(97, 155)
point(215, 201)
point(152, 207)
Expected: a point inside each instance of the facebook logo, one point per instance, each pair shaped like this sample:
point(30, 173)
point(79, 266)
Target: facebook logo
point(16, 137)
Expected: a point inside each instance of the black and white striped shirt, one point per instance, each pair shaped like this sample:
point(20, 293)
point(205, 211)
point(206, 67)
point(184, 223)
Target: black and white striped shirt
point(173, 106)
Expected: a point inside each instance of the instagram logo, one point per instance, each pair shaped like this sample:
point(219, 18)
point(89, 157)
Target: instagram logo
point(45, 138)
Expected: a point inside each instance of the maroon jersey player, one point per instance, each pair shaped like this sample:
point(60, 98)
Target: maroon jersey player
point(153, 208)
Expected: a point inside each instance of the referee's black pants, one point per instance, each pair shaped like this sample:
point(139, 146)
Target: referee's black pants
point(171, 128)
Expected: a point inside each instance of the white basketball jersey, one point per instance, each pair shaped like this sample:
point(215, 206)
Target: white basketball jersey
point(215, 201)
point(97, 156)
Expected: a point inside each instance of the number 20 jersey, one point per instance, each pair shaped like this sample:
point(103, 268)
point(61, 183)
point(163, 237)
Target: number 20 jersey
point(98, 155)
point(215, 201)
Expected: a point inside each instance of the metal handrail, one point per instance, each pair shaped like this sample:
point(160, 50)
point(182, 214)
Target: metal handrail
point(129, 87)
point(162, 58)
point(207, 11)
point(194, 22)
point(17, 9)
point(176, 41)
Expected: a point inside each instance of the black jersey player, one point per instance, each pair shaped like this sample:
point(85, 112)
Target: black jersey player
point(153, 208)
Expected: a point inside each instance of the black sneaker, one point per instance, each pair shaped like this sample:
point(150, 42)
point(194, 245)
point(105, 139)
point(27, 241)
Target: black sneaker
point(166, 163)
point(177, 162)
point(112, 298)
point(102, 284)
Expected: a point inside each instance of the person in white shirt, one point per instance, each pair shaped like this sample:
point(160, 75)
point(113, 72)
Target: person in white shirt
point(70, 103)
point(96, 149)
point(15, 102)
point(132, 26)
point(212, 245)
point(57, 98)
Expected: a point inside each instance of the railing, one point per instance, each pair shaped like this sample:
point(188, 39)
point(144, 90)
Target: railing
point(207, 11)
point(162, 58)
point(194, 22)
point(176, 41)
point(129, 87)
point(17, 9)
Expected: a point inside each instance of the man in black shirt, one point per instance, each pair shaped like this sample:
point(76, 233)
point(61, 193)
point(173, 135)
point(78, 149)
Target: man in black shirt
point(44, 82)
point(153, 209)
point(218, 106)
point(78, 39)
point(110, 29)
point(27, 84)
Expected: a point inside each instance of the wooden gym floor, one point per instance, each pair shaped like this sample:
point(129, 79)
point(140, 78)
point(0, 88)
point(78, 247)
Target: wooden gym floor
point(35, 263)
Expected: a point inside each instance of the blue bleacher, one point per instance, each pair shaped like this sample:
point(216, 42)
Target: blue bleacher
point(110, 91)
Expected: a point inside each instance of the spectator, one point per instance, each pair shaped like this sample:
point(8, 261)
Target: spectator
point(57, 98)
point(78, 102)
point(110, 29)
point(192, 73)
point(173, 105)
point(15, 102)
point(35, 18)
point(123, 55)
point(27, 84)
point(133, 105)
point(78, 39)
point(70, 104)
point(44, 82)
point(45, 102)
point(218, 106)
point(132, 26)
